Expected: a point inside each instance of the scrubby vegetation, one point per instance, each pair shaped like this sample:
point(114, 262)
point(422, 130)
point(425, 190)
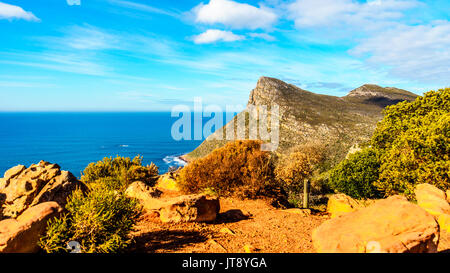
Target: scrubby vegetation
point(356, 175)
point(411, 145)
point(297, 165)
point(100, 219)
point(120, 172)
point(414, 142)
point(239, 168)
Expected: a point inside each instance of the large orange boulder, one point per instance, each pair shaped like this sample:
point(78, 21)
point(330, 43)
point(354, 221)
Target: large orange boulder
point(434, 201)
point(26, 187)
point(391, 225)
point(190, 208)
point(21, 235)
point(182, 208)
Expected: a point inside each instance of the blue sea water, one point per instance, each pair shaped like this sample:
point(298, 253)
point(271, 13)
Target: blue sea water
point(73, 140)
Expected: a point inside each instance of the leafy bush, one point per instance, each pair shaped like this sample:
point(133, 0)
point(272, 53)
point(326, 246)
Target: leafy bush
point(413, 139)
point(120, 172)
point(99, 221)
point(299, 164)
point(239, 168)
point(409, 146)
point(356, 175)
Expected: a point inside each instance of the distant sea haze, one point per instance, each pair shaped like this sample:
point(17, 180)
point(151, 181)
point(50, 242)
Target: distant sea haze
point(73, 140)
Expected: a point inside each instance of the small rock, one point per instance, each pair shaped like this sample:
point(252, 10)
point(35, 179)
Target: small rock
point(340, 204)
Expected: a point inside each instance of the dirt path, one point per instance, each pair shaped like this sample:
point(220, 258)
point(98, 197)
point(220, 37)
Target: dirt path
point(251, 223)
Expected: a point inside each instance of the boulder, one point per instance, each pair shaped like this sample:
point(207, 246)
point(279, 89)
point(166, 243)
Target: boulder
point(391, 225)
point(21, 235)
point(190, 208)
point(147, 196)
point(340, 204)
point(432, 199)
point(444, 222)
point(167, 182)
point(447, 193)
point(2, 201)
point(11, 173)
point(43, 182)
point(2, 183)
point(184, 208)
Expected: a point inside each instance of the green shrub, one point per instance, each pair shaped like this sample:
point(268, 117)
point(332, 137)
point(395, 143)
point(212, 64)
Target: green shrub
point(120, 172)
point(102, 218)
point(356, 175)
point(99, 221)
point(239, 168)
point(413, 140)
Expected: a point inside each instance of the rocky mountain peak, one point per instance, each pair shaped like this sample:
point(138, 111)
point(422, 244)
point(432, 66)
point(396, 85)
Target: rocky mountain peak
point(372, 92)
point(270, 89)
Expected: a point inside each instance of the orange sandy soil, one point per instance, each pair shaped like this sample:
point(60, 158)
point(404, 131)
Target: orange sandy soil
point(254, 223)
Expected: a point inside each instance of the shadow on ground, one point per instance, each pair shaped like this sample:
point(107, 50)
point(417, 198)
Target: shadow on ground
point(167, 240)
point(231, 216)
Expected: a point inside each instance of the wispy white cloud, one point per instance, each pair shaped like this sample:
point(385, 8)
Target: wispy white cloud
point(234, 15)
point(143, 7)
point(87, 38)
point(420, 52)
point(10, 12)
point(58, 61)
point(263, 36)
point(319, 13)
point(215, 35)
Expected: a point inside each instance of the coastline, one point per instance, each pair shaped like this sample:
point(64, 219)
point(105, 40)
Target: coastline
point(184, 158)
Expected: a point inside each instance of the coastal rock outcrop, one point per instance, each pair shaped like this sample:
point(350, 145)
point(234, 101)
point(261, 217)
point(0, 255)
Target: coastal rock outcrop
point(21, 235)
point(23, 187)
point(391, 225)
point(183, 208)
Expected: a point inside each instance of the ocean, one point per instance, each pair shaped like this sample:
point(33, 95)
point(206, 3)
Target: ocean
point(73, 140)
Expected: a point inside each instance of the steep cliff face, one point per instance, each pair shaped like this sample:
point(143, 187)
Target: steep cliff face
point(338, 122)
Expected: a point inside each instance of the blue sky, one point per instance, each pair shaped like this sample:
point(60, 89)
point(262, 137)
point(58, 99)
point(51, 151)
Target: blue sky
point(137, 55)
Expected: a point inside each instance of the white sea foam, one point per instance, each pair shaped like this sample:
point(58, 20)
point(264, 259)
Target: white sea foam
point(173, 160)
